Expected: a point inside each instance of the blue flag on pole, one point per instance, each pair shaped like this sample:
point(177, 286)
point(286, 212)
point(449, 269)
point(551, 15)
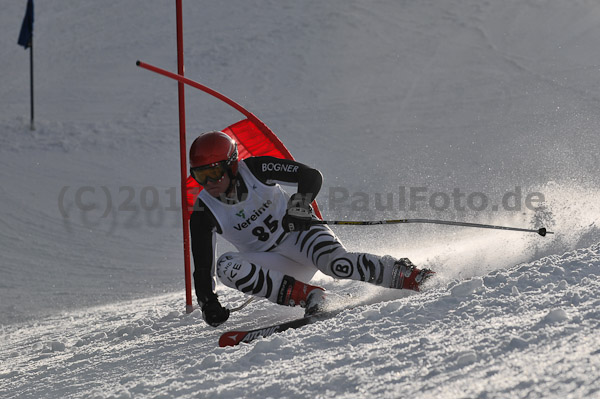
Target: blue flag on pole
point(26, 34)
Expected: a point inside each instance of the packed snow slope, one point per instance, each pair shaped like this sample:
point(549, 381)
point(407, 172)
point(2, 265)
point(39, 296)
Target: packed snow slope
point(527, 331)
point(462, 110)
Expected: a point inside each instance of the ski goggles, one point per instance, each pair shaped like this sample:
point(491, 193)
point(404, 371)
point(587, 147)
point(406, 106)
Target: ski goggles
point(213, 172)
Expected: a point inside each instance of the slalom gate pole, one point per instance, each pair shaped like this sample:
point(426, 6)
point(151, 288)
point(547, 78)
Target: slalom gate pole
point(189, 307)
point(541, 231)
point(32, 125)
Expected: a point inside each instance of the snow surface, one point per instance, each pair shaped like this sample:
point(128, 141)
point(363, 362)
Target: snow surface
point(484, 97)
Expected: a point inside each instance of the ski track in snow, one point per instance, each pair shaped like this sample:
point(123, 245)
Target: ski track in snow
point(491, 336)
point(478, 95)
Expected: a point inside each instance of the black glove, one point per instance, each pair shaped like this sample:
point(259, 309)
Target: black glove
point(213, 313)
point(298, 215)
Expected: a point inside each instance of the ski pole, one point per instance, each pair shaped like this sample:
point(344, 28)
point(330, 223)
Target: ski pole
point(541, 231)
point(243, 305)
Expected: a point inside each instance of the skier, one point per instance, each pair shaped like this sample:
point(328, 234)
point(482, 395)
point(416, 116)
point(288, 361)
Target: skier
point(279, 249)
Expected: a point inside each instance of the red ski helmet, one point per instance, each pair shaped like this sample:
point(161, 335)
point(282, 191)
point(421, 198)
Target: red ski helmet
point(214, 149)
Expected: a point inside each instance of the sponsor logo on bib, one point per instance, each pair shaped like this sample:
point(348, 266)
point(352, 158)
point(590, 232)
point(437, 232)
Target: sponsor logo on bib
point(254, 216)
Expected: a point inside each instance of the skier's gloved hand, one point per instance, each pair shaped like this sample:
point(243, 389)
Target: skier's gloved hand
point(298, 215)
point(213, 313)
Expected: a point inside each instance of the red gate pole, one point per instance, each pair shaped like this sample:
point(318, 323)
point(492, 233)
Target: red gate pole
point(189, 307)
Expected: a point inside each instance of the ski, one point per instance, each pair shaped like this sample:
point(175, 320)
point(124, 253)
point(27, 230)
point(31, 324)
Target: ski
point(233, 338)
point(236, 337)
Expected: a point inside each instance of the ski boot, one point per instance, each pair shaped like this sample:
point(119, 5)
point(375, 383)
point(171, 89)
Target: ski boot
point(406, 276)
point(315, 302)
point(309, 297)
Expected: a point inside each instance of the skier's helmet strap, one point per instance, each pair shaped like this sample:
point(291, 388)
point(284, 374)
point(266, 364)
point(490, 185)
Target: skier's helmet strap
point(212, 149)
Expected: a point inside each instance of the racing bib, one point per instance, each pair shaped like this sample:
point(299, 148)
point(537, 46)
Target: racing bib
point(254, 224)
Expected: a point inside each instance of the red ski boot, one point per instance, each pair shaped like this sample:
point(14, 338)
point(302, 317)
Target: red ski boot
point(406, 276)
point(293, 292)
